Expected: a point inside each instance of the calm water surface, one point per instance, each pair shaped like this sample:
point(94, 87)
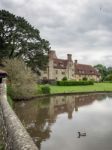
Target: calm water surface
point(54, 122)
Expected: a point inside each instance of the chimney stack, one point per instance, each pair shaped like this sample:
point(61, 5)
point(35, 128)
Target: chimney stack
point(69, 57)
point(76, 61)
point(52, 54)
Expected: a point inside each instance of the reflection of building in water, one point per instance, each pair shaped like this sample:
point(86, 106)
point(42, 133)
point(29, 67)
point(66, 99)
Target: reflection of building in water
point(61, 104)
point(38, 116)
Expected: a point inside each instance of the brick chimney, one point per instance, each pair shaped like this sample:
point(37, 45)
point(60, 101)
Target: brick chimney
point(52, 54)
point(69, 57)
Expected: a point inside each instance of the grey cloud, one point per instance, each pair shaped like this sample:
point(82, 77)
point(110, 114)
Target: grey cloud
point(83, 28)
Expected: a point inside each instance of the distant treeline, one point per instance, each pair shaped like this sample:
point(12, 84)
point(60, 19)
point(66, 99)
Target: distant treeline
point(106, 72)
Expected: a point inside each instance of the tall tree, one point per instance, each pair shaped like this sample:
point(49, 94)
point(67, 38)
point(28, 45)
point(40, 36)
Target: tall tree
point(19, 39)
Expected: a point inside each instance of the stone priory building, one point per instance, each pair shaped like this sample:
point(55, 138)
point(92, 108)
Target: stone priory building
point(59, 68)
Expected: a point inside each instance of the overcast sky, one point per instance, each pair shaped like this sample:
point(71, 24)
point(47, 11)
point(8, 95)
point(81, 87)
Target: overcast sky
point(80, 27)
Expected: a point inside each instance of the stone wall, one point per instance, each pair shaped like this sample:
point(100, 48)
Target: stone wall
point(16, 137)
point(89, 77)
point(2, 142)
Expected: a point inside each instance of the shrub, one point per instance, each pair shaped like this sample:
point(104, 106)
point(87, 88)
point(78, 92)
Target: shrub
point(94, 81)
point(74, 83)
point(22, 82)
point(64, 79)
point(48, 81)
point(84, 79)
point(45, 89)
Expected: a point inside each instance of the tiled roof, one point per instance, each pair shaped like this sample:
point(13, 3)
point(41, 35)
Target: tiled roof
point(82, 69)
point(60, 63)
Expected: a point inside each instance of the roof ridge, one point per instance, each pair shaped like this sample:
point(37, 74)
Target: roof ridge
point(84, 64)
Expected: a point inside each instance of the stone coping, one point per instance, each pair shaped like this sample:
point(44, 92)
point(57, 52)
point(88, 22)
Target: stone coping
point(16, 135)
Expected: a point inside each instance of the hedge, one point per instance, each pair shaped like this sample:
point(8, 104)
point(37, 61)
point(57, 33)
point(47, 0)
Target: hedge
point(76, 83)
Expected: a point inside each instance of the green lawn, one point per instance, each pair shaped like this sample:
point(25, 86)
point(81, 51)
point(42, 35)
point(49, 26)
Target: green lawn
point(95, 87)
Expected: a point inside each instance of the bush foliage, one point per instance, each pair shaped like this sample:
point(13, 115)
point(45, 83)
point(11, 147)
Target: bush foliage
point(64, 78)
point(21, 80)
point(74, 83)
point(48, 81)
point(84, 79)
point(45, 89)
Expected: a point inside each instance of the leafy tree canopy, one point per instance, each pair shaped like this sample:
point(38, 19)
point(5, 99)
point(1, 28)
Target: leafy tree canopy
point(102, 70)
point(106, 72)
point(19, 39)
point(108, 77)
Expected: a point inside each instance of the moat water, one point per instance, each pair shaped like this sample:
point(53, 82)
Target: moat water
point(54, 122)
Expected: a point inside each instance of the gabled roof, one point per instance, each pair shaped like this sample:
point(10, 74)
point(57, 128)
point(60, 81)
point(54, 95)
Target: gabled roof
point(79, 69)
point(82, 69)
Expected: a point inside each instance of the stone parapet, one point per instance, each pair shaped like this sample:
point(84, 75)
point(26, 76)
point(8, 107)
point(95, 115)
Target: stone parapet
point(17, 138)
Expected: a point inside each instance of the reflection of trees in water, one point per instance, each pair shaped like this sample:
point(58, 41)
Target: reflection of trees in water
point(41, 132)
point(34, 116)
point(39, 115)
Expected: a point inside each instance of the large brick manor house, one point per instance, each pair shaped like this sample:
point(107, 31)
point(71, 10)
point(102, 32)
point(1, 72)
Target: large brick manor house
point(59, 68)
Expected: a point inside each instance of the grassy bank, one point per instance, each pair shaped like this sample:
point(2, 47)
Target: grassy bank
point(10, 101)
point(95, 87)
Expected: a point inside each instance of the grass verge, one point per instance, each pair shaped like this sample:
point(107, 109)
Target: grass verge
point(87, 88)
point(10, 101)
